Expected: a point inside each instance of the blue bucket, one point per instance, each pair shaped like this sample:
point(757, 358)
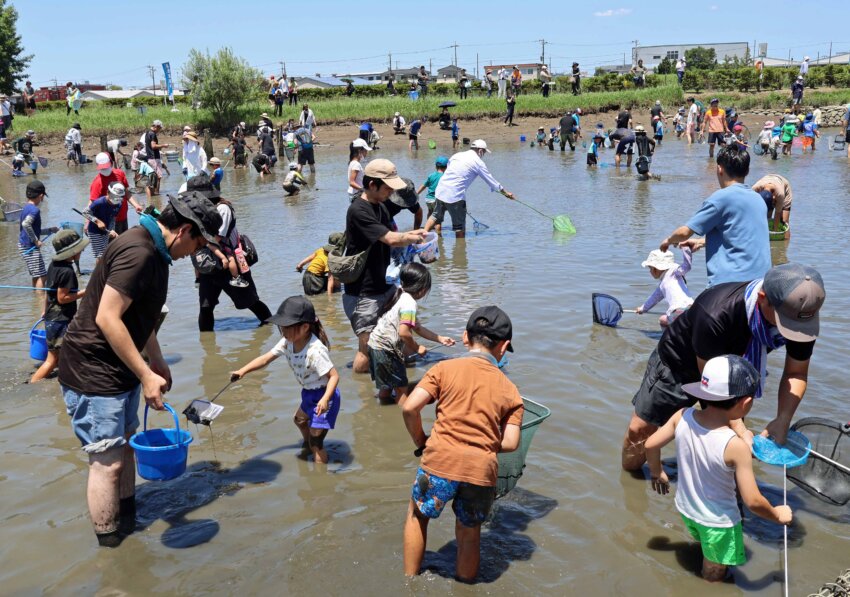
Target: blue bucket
point(522, 138)
point(414, 95)
point(75, 226)
point(161, 454)
point(38, 343)
point(34, 166)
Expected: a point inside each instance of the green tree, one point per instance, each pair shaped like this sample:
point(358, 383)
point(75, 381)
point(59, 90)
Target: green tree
point(13, 62)
point(220, 83)
point(666, 67)
point(701, 58)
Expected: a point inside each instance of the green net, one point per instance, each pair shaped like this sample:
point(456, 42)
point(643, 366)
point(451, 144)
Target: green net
point(563, 223)
point(511, 464)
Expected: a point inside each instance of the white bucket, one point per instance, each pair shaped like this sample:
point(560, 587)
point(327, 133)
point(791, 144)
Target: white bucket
point(428, 251)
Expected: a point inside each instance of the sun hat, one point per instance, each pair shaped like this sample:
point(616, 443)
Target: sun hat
point(639, 129)
point(806, 58)
point(479, 144)
point(386, 171)
point(540, 128)
point(292, 311)
point(442, 161)
point(103, 161)
point(360, 143)
point(725, 377)
point(156, 122)
point(769, 124)
point(35, 188)
point(264, 115)
point(397, 114)
point(116, 192)
point(67, 243)
point(214, 161)
point(497, 324)
point(191, 136)
point(659, 259)
point(76, 126)
point(30, 133)
point(799, 77)
point(657, 102)
point(405, 197)
point(334, 239)
point(199, 210)
point(796, 293)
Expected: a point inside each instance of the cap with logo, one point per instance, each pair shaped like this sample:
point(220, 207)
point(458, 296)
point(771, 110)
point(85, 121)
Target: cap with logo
point(796, 293)
point(496, 325)
point(725, 377)
point(292, 311)
point(385, 170)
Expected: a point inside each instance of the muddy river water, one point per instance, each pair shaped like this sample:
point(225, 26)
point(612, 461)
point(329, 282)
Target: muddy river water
point(250, 517)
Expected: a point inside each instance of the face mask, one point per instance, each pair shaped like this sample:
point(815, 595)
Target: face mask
point(106, 172)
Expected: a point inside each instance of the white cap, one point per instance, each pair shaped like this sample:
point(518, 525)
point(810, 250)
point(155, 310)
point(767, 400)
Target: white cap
point(806, 58)
point(657, 102)
point(102, 160)
point(187, 128)
point(156, 123)
point(479, 144)
point(361, 144)
point(659, 259)
point(116, 193)
point(293, 165)
point(398, 114)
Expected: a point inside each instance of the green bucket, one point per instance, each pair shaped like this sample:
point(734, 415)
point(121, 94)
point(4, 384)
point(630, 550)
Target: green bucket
point(432, 144)
point(563, 223)
point(777, 235)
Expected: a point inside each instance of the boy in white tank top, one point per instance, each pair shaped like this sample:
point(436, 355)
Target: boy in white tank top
point(711, 460)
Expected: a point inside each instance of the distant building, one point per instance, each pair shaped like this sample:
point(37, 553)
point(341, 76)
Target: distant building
point(124, 94)
point(842, 58)
point(319, 82)
point(57, 92)
point(529, 70)
point(653, 55)
point(401, 74)
point(451, 73)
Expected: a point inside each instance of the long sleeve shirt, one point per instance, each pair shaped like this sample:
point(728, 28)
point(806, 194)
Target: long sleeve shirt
point(194, 158)
point(463, 168)
point(672, 287)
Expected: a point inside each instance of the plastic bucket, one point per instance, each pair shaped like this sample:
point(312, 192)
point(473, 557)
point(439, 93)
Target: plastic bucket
point(432, 144)
point(777, 235)
point(414, 95)
point(38, 343)
point(75, 226)
point(428, 251)
point(171, 156)
point(84, 159)
point(34, 166)
point(522, 138)
point(161, 454)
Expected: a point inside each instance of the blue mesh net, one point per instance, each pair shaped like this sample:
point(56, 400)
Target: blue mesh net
point(794, 453)
point(606, 309)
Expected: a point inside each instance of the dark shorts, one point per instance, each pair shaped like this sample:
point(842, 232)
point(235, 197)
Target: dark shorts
point(470, 503)
point(31, 104)
point(412, 137)
point(55, 333)
point(211, 286)
point(847, 136)
point(591, 159)
point(121, 226)
point(625, 147)
point(456, 210)
point(240, 159)
point(717, 138)
point(386, 369)
point(660, 395)
point(313, 284)
point(305, 156)
point(309, 400)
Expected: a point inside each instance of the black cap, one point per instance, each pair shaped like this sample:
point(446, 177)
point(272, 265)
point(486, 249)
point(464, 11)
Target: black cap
point(292, 311)
point(202, 184)
point(36, 188)
point(199, 210)
point(498, 326)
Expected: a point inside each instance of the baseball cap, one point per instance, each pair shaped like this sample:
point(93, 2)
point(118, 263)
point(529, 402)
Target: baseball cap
point(442, 161)
point(292, 311)
point(214, 161)
point(497, 327)
point(102, 160)
point(202, 184)
point(35, 188)
point(480, 144)
point(195, 207)
point(714, 100)
point(361, 144)
point(156, 122)
point(796, 293)
point(385, 170)
point(725, 377)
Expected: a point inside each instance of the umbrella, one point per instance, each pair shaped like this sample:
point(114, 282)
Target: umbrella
point(447, 105)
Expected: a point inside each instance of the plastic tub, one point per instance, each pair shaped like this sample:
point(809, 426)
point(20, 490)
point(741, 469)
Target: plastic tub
point(75, 226)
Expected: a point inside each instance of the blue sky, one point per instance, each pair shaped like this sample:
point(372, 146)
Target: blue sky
point(114, 41)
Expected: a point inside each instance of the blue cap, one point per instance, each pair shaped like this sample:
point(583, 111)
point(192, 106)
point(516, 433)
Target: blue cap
point(442, 161)
point(809, 116)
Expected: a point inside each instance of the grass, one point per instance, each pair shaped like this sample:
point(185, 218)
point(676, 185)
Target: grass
point(777, 100)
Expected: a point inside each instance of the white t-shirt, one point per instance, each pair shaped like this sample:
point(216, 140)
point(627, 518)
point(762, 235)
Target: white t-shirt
point(114, 145)
point(385, 336)
point(355, 166)
point(226, 219)
point(693, 114)
point(310, 366)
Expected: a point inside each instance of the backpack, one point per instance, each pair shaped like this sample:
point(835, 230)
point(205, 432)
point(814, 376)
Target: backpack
point(642, 165)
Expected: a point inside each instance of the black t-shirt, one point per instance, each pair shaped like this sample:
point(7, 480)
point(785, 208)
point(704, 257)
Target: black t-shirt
point(150, 137)
point(239, 147)
point(267, 144)
point(567, 123)
point(132, 266)
point(60, 274)
point(623, 119)
point(655, 111)
point(260, 160)
point(25, 145)
point(715, 325)
point(365, 223)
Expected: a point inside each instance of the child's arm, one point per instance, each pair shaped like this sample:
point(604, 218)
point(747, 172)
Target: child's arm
point(510, 438)
point(429, 335)
point(66, 295)
point(331, 283)
point(255, 365)
point(737, 454)
point(411, 411)
point(653, 445)
point(333, 381)
point(420, 189)
point(405, 334)
point(653, 300)
point(305, 261)
point(687, 258)
point(218, 253)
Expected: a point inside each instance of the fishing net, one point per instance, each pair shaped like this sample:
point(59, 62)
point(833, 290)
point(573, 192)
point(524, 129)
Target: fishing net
point(511, 464)
point(839, 588)
point(563, 223)
point(828, 481)
point(606, 309)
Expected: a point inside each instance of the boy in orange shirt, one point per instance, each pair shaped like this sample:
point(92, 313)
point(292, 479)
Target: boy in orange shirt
point(715, 122)
point(479, 414)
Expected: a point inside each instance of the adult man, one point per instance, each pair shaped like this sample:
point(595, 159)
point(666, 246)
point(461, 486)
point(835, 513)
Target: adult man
point(804, 67)
point(6, 112)
point(307, 118)
point(776, 192)
point(464, 167)
point(681, 64)
point(545, 79)
point(487, 83)
point(715, 122)
point(734, 223)
point(113, 148)
point(102, 371)
point(566, 131)
point(692, 121)
point(797, 91)
point(744, 318)
point(305, 138)
point(575, 79)
point(399, 124)
point(422, 79)
point(463, 84)
point(625, 146)
point(28, 95)
point(106, 175)
point(503, 81)
point(367, 228)
point(638, 72)
point(152, 150)
point(266, 143)
point(657, 110)
point(624, 119)
point(846, 123)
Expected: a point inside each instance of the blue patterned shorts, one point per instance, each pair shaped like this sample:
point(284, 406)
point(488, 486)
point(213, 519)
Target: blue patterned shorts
point(470, 503)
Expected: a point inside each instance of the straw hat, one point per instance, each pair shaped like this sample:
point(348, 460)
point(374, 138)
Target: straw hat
point(659, 259)
point(214, 161)
point(190, 136)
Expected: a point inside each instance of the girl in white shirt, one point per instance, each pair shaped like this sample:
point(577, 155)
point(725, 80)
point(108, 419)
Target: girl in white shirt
point(357, 153)
point(673, 287)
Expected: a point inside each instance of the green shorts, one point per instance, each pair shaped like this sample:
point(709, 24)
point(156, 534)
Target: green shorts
point(719, 545)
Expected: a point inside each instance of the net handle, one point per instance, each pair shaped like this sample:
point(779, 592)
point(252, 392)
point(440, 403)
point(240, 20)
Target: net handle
point(820, 456)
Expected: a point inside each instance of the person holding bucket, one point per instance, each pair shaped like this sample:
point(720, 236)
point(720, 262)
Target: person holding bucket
point(61, 296)
point(102, 372)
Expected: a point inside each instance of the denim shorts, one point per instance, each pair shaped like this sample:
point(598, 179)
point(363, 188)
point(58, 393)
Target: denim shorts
point(102, 422)
point(470, 503)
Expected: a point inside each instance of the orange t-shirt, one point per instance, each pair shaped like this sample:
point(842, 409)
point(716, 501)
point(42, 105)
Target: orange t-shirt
point(475, 402)
point(714, 120)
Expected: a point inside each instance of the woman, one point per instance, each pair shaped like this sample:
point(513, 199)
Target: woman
point(516, 80)
point(356, 154)
point(293, 91)
point(463, 84)
point(576, 79)
point(510, 99)
point(194, 156)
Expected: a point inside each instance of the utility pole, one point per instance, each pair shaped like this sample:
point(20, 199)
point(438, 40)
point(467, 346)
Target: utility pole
point(543, 43)
point(390, 61)
point(476, 65)
point(429, 66)
point(152, 70)
point(634, 51)
point(830, 53)
point(282, 68)
point(455, 47)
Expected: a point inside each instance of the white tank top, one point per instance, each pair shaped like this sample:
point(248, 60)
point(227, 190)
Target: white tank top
point(706, 489)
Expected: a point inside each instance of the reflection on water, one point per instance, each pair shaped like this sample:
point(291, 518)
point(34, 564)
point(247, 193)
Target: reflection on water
point(253, 516)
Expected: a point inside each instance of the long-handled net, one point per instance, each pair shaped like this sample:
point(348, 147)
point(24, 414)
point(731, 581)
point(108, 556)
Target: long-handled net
point(561, 223)
point(511, 464)
point(826, 475)
point(607, 310)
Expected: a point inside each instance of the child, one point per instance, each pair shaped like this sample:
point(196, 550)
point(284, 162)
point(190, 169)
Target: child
point(673, 287)
point(413, 134)
point(293, 180)
point(479, 414)
point(789, 131)
point(679, 123)
point(712, 462)
point(593, 150)
point(810, 132)
point(431, 184)
point(102, 211)
point(737, 137)
point(455, 132)
point(775, 141)
point(645, 147)
point(261, 163)
point(60, 299)
point(305, 346)
point(135, 160)
point(658, 127)
point(554, 139)
point(29, 238)
point(392, 338)
point(541, 136)
point(763, 140)
point(17, 164)
point(318, 277)
point(240, 158)
point(216, 172)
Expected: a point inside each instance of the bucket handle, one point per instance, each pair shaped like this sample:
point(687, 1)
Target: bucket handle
point(169, 409)
point(32, 329)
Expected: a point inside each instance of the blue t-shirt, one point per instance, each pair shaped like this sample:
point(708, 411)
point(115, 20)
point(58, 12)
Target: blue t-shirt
point(103, 210)
point(737, 243)
point(35, 212)
point(415, 126)
point(431, 185)
point(366, 126)
point(809, 128)
point(593, 148)
point(217, 175)
point(455, 129)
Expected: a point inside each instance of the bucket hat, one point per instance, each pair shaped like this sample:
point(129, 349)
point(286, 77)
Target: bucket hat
point(67, 243)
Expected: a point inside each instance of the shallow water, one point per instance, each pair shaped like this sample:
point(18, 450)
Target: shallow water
point(251, 517)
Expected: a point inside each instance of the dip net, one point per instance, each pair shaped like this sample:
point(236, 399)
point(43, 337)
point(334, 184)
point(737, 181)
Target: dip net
point(511, 464)
point(839, 588)
point(606, 309)
point(826, 474)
